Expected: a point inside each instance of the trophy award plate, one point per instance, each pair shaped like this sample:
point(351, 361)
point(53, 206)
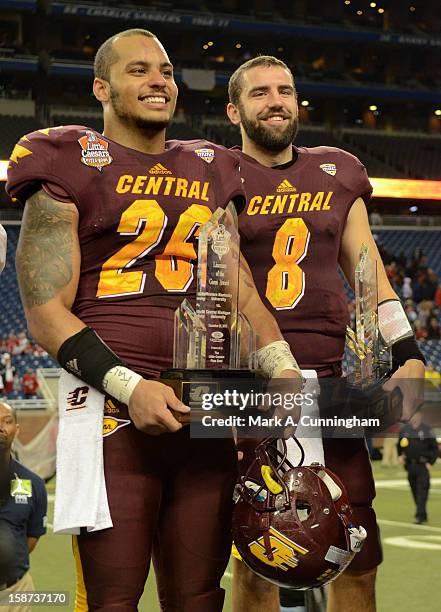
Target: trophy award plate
point(214, 343)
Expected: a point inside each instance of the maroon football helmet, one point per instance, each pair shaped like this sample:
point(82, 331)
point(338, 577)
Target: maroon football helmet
point(293, 525)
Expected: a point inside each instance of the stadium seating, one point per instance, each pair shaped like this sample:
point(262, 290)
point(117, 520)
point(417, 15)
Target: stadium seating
point(414, 156)
point(432, 353)
point(96, 123)
point(383, 155)
point(406, 241)
point(229, 136)
point(12, 129)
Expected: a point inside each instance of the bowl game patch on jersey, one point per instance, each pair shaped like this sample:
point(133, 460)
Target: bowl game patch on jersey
point(206, 154)
point(94, 151)
point(329, 169)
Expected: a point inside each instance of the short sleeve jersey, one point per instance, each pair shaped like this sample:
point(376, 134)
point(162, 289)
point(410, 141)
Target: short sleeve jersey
point(139, 219)
point(291, 232)
point(24, 512)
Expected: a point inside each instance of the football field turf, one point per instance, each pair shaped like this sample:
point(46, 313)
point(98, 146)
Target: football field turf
point(408, 580)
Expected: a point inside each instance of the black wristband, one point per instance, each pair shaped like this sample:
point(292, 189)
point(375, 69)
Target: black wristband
point(405, 349)
point(85, 355)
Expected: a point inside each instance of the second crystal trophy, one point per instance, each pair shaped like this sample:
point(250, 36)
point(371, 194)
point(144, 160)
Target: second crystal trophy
point(373, 360)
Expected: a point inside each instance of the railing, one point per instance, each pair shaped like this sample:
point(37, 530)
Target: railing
point(42, 375)
point(408, 222)
point(31, 404)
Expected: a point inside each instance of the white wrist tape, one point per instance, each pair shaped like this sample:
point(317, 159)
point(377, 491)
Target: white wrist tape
point(276, 357)
point(392, 322)
point(119, 382)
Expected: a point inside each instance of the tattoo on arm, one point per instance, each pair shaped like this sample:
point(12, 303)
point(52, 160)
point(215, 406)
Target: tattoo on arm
point(44, 252)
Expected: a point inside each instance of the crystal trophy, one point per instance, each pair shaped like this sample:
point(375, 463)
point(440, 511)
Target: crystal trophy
point(373, 359)
point(213, 342)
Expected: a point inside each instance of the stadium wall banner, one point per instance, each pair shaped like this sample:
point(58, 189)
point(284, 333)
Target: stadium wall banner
point(218, 21)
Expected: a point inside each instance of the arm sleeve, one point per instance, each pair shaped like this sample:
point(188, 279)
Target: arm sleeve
point(37, 521)
point(3, 243)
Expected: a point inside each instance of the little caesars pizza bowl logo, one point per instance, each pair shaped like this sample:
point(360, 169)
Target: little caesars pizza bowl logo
point(94, 151)
point(220, 238)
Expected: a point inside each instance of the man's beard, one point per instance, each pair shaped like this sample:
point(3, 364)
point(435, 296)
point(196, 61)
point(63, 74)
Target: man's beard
point(148, 125)
point(266, 138)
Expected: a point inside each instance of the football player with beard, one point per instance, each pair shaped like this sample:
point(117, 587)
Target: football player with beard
point(105, 256)
point(305, 215)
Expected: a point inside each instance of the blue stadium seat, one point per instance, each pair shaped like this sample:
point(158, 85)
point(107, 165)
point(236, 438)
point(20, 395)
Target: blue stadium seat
point(406, 241)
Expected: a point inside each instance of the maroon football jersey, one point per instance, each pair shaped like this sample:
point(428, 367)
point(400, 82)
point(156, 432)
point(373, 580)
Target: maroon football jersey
point(139, 218)
point(291, 230)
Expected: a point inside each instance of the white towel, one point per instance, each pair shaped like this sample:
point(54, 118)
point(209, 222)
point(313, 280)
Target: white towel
point(81, 496)
point(310, 437)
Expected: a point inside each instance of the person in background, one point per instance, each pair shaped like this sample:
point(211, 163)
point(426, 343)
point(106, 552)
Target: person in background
point(420, 330)
point(7, 371)
point(23, 510)
point(406, 290)
point(29, 383)
point(433, 329)
point(418, 451)
point(438, 296)
point(390, 453)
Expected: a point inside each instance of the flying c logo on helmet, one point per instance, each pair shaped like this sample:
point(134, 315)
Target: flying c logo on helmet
point(283, 550)
point(94, 151)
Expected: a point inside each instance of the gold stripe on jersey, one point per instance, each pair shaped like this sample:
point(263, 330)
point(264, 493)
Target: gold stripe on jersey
point(18, 152)
point(81, 604)
point(295, 202)
point(163, 185)
point(48, 130)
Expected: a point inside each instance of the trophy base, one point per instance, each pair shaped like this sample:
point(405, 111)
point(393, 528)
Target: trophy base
point(366, 399)
point(192, 385)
